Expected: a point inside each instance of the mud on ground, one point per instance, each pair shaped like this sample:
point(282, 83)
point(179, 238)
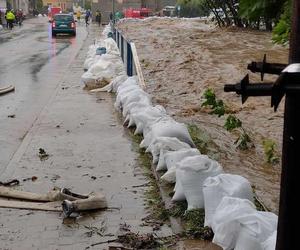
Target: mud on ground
point(181, 58)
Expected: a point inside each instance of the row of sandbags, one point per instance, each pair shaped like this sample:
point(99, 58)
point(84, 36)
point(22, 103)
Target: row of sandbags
point(201, 181)
point(102, 68)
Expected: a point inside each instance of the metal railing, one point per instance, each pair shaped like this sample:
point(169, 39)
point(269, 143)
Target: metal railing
point(129, 56)
point(126, 52)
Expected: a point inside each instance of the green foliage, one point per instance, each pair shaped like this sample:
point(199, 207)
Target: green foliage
point(39, 5)
point(270, 151)
point(210, 98)
point(254, 9)
point(282, 29)
point(232, 122)
point(217, 106)
point(194, 220)
point(243, 142)
point(192, 8)
point(203, 141)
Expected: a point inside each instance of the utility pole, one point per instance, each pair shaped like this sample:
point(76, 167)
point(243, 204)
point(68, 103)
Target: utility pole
point(288, 224)
point(288, 84)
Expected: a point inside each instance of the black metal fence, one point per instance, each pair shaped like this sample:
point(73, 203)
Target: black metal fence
point(126, 52)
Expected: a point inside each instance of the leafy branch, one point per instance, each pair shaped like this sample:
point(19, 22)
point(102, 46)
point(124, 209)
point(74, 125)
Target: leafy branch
point(270, 151)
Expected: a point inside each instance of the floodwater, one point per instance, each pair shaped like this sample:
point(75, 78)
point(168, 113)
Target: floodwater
point(181, 58)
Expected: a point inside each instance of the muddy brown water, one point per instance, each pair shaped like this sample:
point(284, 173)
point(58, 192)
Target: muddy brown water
point(181, 58)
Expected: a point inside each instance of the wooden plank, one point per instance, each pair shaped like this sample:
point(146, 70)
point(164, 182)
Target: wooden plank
point(137, 65)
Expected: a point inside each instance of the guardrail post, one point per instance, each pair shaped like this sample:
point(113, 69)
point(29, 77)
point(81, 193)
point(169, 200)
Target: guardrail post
point(129, 60)
point(122, 48)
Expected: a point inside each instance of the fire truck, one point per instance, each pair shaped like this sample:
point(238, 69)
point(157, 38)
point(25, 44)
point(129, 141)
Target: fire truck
point(53, 11)
point(137, 13)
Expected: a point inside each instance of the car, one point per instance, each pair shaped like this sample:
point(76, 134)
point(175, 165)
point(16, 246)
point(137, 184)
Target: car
point(63, 23)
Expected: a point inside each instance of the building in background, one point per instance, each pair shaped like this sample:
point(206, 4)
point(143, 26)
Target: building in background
point(2, 4)
point(65, 5)
point(108, 6)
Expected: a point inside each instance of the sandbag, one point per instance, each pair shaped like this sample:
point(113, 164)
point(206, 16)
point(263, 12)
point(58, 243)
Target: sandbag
point(111, 87)
point(128, 95)
point(164, 143)
point(167, 128)
point(191, 173)
point(255, 229)
point(103, 71)
point(179, 194)
point(217, 187)
point(224, 225)
point(270, 243)
point(168, 159)
point(237, 224)
point(111, 46)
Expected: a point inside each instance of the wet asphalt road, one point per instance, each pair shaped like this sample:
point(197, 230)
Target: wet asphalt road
point(34, 63)
point(89, 150)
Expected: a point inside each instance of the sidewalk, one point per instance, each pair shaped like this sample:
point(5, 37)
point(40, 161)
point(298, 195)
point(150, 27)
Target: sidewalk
point(88, 151)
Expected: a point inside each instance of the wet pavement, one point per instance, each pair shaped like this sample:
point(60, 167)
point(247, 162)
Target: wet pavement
point(88, 148)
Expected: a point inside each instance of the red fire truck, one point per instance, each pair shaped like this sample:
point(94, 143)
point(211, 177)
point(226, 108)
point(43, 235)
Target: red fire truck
point(53, 11)
point(137, 13)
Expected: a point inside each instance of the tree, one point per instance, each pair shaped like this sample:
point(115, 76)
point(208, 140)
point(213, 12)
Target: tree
point(256, 10)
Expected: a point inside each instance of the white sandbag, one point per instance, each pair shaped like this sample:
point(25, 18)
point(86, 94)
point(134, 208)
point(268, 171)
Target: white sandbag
point(167, 128)
point(106, 30)
point(255, 229)
point(168, 159)
point(237, 224)
point(173, 163)
point(165, 143)
point(133, 80)
point(110, 87)
point(192, 172)
point(111, 46)
point(146, 116)
point(179, 194)
point(217, 187)
point(130, 94)
point(270, 243)
point(224, 225)
point(136, 97)
point(136, 107)
point(103, 71)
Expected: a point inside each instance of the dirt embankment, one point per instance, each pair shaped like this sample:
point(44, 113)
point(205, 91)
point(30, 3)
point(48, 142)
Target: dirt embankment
point(181, 58)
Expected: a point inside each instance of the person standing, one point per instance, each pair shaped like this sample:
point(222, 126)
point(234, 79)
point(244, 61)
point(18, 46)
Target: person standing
point(78, 15)
point(87, 17)
point(10, 18)
point(98, 17)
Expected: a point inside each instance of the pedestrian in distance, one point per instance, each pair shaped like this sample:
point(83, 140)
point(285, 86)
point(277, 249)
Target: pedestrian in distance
point(78, 15)
point(87, 17)
point(98, 17)
point(10, 18)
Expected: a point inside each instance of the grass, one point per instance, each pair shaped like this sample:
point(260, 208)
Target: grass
point(203, 142)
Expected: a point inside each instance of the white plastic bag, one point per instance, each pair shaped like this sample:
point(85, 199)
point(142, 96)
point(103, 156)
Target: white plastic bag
point(165, 143)
point(168, 159)
point(167, 128)
point(217, 187)
point(224, 223)
point(237, 224)
point(191, 173)
point(270, 243)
